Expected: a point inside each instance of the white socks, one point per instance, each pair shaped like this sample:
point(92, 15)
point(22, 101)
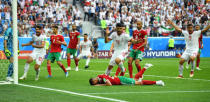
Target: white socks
point(87, 61)
point(181, 69)
point(26, 68)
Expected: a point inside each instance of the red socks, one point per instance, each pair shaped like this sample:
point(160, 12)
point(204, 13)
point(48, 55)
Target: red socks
point(130, 68)
point(139, 74)
point(198, 62)
point(76, 62)
point(69, 62)
point(148, 82)
point(49, 70)
point(117, 71)
point(63, 67)
point(138, 67)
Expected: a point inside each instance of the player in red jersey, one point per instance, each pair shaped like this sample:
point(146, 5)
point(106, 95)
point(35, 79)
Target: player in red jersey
point(72, 47)
point(106, 80)
point(55, 48)
point(138, 48)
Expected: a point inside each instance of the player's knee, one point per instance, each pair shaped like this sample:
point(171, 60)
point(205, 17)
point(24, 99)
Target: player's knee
point(117, 60)
point(137, 62)
point(29, 60)
point(36, 67)
point(181, 61)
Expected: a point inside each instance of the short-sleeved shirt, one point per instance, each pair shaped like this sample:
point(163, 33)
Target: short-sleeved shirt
point(139, 34)
point(113, 80)
point(120, 41)
point(73, 39)
point(86, 45)
point(55, 47)
point(191, 39)
point(199, 40)
point(38, 41)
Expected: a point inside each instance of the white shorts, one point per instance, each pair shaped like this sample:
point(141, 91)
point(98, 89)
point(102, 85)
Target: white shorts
point(84, 53)
point(189, 53)
point(38, 57)
point(118, 54)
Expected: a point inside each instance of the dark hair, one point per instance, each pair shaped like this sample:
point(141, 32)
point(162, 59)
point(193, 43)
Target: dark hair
point(91, 81)
point(38, 26)
point(189, 25)
point(86, 34)
point(120, 25)
point(55, 27)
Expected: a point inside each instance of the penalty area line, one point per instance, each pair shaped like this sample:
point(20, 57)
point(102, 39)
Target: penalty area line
point(153, 92)
point(73, 93)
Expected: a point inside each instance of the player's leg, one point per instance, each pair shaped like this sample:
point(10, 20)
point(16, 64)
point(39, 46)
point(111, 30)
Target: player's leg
point(109, 69)
point(185, 57)
point(139, 56)
point(87, 61)
point(76, 59)
point(138, 66)
point(119, 62)
point(50, 59)
point(130, 61)
point(68, 59)
point(39, 60)
point(58, 59)
point(139, 75)
point(148, 82)
point(198, 60)
point(10, 69)
point(118, 71)
point(27, 65)
point(37, 69)
point(187, 64)
point(192, 59)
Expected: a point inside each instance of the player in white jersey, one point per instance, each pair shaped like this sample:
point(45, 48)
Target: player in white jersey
point(85, 48)
point(120, 41)
point(192, 46)
point(38, 54)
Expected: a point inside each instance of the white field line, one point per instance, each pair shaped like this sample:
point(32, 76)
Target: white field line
point(74, 93)
point(152, 92)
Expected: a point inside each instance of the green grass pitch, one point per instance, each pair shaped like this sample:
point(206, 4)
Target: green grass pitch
point(196, 89)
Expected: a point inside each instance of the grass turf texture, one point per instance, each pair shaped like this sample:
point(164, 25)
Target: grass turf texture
point(176, 90)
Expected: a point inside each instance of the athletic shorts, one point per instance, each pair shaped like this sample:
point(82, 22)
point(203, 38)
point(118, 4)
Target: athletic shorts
point(84, 54)
point(38, 57)
point(136, 54)
point(72, 51)
point(199, 51)
point(189, 53)
point(54, 56)
point(118, 54)
point(126, 81)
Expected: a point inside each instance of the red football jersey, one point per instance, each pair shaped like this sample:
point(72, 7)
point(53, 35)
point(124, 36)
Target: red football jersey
point(139, 35)
point(73, 39)
point(113, 80)
point(55, 47)
point(199, 40)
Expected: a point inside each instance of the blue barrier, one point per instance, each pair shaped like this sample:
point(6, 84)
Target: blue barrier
point(155, 43)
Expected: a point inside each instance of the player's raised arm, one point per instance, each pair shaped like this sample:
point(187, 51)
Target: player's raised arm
point(28, 44)
point(107, 39)
point(205, 29)
point(174, 25)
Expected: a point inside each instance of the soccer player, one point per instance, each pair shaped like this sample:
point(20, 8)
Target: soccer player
point(72, 47)
point(200, 41)
point(55, 51)
point(138, 48)
point(106, 80)
point(8, 50)
point(192, 46)
point(38, 54)
point(120, 41)
point(85, 48)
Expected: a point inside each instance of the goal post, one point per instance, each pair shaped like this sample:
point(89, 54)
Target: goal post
point(15, 41)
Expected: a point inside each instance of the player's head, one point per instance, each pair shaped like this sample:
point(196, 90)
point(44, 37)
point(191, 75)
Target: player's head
point(38, 30)
point(197, 27)
point(93, 81)
point(119, 27)
point(74, 27)
point(85, 36)
point(55, 29)
point(139, 25)
point(190, 28)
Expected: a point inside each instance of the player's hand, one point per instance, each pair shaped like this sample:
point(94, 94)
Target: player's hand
point(110, 53)
point(32, 45)
point(58, 42)
point(107, 31)
point(202, 46)
point(7, 52)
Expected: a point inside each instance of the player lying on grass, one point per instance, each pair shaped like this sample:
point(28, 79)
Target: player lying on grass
point(106, 80)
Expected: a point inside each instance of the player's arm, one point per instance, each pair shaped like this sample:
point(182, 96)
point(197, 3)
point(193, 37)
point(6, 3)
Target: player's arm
point(145, 42)
point(28, 44)
point(205, 29)
point(107, 83)
point(107, 39)
point(175, 26)
point(39, 46)
point(80, 49)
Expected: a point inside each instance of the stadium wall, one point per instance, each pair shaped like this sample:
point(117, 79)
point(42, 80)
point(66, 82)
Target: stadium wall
point(157, 47)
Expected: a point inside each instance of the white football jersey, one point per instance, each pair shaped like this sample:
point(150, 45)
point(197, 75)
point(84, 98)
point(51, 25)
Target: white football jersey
point(86, 45)
point(191, 40)
point(38, 41)
point(120, 41)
